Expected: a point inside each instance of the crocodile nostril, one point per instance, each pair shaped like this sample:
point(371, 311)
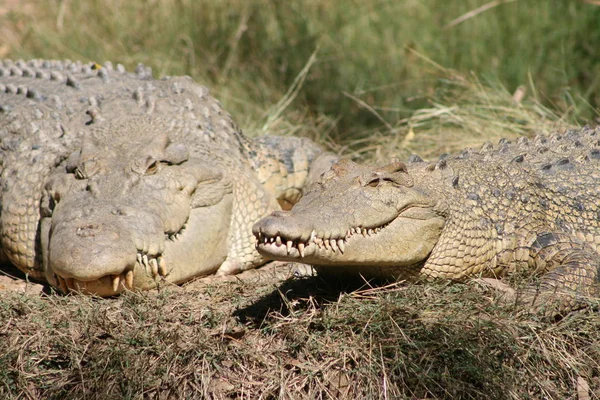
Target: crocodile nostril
point(89, 230)
point(280, 213)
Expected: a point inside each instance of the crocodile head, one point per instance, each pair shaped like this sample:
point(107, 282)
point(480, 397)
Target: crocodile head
point(371, 220)
point(129, 210)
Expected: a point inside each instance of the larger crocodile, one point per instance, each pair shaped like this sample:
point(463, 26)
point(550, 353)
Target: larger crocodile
point(113, 180)
point(528, 205)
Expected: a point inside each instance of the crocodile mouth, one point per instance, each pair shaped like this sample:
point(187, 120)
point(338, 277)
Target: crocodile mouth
point(405, 238)
point(296, 248)
point(153, 266)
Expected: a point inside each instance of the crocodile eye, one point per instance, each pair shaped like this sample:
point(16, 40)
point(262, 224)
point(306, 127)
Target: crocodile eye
point(152, 168)
point(374, 182)
point(379, 181)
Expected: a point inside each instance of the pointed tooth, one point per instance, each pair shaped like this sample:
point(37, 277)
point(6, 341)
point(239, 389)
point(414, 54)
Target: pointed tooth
point(333, 244)
point(272, 239)
point(364, 232)
point(129, 279)
point(341, 245)
point(162, 266)
point(278, 241)
point(115, 282)
point(326, 244)
point(62, 284)
point(81, 286)
point(313, 236)
point(301, 249)
point(153, 267)
point(370, 232)
point(145, 260)
point(289, 245)
point(139, 258)
point(266, 239)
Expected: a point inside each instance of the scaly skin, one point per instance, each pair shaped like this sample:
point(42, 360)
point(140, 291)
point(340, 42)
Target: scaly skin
point(113, 180)
point(524, 206)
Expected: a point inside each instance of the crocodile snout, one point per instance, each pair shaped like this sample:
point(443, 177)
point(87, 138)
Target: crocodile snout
point(279, 223)
point(88, 251)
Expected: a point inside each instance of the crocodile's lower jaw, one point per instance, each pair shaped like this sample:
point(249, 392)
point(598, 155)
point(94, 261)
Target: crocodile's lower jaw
point(197, 250)
point(144, 275)
point(401, 242)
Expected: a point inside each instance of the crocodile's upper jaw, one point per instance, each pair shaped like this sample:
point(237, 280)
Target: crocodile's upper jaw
point(356, 217)
point(406, 240)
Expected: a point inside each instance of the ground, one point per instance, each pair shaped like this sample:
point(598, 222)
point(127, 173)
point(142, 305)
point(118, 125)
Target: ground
point(304, 337)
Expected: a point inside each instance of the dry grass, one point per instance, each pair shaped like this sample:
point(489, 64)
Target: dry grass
point(305, 338)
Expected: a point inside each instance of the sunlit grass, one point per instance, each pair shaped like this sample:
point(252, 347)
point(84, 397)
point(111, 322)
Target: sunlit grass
point(367, 52)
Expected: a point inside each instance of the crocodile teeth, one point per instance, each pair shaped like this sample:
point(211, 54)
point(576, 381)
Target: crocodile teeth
point(301, 249)
point(70, 282)
point(278, 240)
point(341, 245)
point(289, 244)
point(139, 258)
point(129, 279)
point(333, 244)
point(153, 267)
point(115, 282)
point(326, 244)
point(145, 260)
point(162, 266)
point(62, 284)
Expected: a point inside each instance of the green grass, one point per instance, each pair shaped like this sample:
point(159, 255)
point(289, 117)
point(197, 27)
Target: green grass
point(250, 52)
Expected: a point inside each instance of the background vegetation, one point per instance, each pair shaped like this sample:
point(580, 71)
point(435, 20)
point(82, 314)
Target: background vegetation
point(339, 70)
point(369, 79)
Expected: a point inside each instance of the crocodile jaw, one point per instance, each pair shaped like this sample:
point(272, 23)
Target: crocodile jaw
point(369, 218)
point(118, 265)
point(404, 241)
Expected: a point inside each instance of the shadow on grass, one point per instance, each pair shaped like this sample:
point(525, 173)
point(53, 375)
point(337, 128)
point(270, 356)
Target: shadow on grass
point(295, 295)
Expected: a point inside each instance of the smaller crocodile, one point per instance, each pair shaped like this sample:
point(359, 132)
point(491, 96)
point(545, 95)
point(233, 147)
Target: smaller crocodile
point(113, 180)
point(532, 205)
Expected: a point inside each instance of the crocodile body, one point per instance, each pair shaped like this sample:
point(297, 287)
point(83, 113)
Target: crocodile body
point(114, 180)
point(531, 205)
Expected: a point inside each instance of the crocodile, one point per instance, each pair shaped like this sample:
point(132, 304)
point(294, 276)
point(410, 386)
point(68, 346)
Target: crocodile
point(113, 180)
point(527, 208)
